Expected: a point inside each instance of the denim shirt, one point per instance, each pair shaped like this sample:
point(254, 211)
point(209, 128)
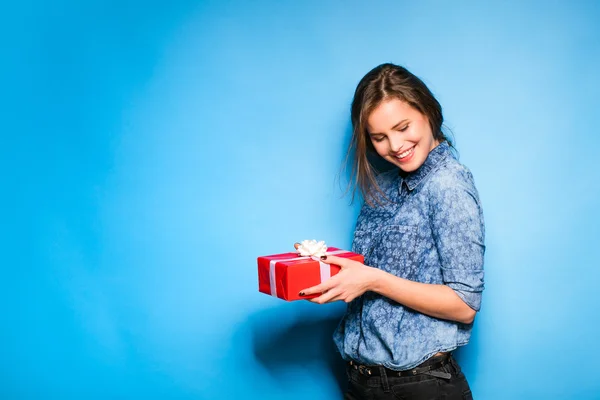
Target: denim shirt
point(432, 231)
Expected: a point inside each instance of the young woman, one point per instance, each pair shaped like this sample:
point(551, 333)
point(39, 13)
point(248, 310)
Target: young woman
point(421, 231)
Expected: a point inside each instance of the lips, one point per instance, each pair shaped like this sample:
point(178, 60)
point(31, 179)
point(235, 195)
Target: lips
point(405, 154)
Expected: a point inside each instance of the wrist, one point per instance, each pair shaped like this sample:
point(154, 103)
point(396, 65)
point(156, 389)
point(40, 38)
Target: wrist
point(375, 279)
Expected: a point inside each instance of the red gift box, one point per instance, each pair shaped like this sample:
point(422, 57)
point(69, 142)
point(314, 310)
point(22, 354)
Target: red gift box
point(285, 275)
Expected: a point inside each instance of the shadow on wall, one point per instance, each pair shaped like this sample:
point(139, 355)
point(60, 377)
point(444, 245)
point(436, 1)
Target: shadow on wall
point(467, 356)
point(295, 339)
point(280, 343)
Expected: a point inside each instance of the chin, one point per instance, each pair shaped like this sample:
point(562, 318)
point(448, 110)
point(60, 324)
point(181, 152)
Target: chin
point(408, 169)
point(405, 168)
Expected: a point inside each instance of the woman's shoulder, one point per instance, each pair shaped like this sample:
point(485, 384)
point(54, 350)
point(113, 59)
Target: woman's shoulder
point(451, 173)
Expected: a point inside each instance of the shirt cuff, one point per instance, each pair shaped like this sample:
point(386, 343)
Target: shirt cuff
point(468, 285)
point(472, 299)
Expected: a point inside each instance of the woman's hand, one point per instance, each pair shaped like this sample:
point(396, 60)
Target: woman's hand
point(353, 280)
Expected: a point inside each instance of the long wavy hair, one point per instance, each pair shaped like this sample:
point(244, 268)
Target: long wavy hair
point(382, 83)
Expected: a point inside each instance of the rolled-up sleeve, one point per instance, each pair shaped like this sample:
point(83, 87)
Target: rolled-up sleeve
point(459, 235)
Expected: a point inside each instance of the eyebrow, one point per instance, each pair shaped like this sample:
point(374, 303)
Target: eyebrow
point(393, 127)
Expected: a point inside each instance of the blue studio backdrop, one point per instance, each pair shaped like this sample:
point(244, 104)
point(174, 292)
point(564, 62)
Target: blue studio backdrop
point(152, 150)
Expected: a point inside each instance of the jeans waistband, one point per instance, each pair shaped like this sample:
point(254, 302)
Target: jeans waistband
point(432, 363)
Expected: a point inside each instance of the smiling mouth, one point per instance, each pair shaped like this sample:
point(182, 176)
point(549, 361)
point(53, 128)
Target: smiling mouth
point(405, 154)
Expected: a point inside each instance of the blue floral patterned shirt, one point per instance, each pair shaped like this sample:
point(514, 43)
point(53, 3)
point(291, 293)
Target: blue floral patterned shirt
point(432, 231)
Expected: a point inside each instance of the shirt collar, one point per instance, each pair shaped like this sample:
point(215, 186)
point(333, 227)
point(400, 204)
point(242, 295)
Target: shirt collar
point(435, 156)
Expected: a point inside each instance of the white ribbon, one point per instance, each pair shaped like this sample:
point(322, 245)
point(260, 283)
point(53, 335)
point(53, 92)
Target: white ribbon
point(325, 268)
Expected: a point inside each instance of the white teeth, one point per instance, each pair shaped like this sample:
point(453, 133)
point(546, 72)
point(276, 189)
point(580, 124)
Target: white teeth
point(407, 152)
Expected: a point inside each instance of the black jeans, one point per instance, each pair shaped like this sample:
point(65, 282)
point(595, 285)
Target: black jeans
point(432, 385)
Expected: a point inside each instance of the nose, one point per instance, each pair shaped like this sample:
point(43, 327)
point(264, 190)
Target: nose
point(396, 143)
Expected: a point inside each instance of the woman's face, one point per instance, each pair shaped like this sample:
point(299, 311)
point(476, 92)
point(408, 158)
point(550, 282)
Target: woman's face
point(400, 134)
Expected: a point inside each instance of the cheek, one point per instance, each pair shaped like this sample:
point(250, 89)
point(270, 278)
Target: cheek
point(380, 148)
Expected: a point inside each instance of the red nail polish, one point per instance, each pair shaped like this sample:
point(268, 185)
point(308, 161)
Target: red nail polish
point(301, 294)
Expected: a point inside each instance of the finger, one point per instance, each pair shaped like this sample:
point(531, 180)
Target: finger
point(296, 245)
point(339, 297)
point(326, 297)
point(320, 288)
point(341, 261)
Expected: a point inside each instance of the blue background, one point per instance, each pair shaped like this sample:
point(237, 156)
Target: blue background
point(151, 151)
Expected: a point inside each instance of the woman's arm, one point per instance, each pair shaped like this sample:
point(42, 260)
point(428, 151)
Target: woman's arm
point(438, 301)
point(458, 235)
point(355, 278)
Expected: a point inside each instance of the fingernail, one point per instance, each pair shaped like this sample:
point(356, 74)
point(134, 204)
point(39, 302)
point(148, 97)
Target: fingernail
point(323, 257)
point(301, 293)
